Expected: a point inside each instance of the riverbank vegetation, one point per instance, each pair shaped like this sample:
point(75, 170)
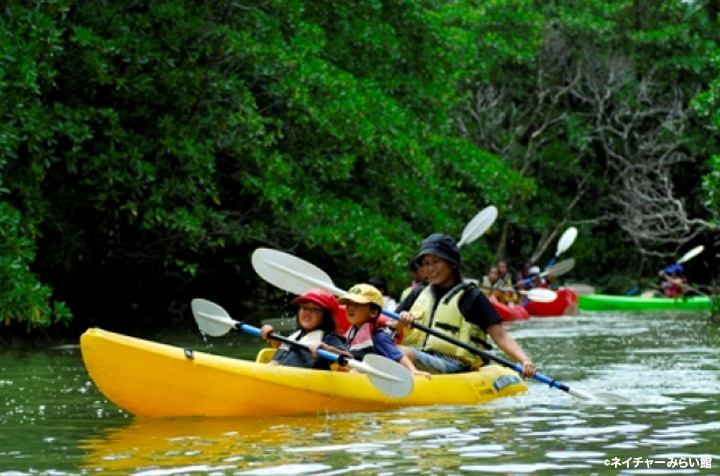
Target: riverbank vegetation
point(146, 148)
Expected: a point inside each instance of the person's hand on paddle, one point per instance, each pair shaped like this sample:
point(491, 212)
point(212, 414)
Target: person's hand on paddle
point(529, 369)
point(406, 319)
point(265, 331)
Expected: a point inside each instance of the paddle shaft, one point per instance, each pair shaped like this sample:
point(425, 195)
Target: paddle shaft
point(536, 294)
point(252, 330)
point(560, 268)
point(504, 362)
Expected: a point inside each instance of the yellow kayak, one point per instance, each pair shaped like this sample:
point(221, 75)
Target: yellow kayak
point(155, 380)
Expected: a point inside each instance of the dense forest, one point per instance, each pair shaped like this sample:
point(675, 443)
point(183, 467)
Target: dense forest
point(147, 148)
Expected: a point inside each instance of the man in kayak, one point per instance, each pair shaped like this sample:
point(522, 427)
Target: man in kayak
point(315, 324)
point(674, 281)
point(534, 280)
point(450, 305)
point(522, 275)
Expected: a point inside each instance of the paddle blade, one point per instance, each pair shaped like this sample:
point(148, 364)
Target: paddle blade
point(691, 254)
point(560, 268)
point(566, 240)
point(289, 272)
point(581, 289)
point(388, 376)
point(478, 225)
point(541, 294)
point(212, 319)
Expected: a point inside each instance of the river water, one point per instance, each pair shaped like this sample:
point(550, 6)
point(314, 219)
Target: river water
point(665, 366)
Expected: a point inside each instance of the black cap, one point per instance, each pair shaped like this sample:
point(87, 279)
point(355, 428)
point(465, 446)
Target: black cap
point(443, 246)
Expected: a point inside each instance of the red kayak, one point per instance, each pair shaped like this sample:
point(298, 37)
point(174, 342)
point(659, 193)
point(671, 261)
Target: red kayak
point(566, 304)
point(508, 313)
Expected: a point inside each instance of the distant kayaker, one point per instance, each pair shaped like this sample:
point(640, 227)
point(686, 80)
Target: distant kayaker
point(495, 288)
point(522, 275)
point(382, 286)
point(418, 275)
point(363, 305)
point(449, 305)
point(534, 280)
point(315, 324)
point(674, 283)
point(505, 276)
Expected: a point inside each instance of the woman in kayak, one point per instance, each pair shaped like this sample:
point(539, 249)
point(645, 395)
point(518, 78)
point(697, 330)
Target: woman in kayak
point(315, 324)
point(363, 305)
point(496, 289)
point(505, 275)
point(449, 305)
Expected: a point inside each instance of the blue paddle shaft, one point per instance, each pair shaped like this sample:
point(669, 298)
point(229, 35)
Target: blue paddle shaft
point(513, 365)
point(340, 359)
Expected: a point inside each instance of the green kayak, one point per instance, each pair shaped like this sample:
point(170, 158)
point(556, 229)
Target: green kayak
point(607, 302)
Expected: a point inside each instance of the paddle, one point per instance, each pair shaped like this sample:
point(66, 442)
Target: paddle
point(284, 274)
point(565, 242)
point(387, 376)
point(558, 269)
point(581, 289)
point(535, 294)
point(478, 225)
point(690, 254)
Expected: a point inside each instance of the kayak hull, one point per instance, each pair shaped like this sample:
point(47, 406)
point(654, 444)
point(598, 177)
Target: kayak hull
point(606, 302)
point(510, 313)
point(566, 304)
point(154, 380)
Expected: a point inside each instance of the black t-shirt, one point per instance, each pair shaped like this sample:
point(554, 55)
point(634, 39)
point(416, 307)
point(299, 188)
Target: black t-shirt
point(474, 306)
point(300, 357)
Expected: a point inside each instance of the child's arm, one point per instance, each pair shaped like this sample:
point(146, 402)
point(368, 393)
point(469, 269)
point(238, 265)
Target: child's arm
point(385, 347)
point(407, 363)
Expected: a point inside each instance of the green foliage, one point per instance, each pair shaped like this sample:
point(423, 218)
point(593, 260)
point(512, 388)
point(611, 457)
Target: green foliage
point(165, 136)
point(24, 298)
point(146, 146)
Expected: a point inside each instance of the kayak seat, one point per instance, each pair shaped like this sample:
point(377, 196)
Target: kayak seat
point(265, 355)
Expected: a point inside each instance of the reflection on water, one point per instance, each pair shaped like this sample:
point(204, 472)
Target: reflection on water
point(54, 421)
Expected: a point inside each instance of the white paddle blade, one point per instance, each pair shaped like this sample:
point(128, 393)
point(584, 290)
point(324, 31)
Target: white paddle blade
point(582, 394)
point(691, 254)
point(541, 295)
point(212, 319)
point(560, 268)
point(478, 225)
point(389, 377)
point(566, 240)
point(289, 272)
point(611, 397)
point(581, 289)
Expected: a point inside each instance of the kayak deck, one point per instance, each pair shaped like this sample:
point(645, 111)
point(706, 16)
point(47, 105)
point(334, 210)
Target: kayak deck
point(155, 380)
